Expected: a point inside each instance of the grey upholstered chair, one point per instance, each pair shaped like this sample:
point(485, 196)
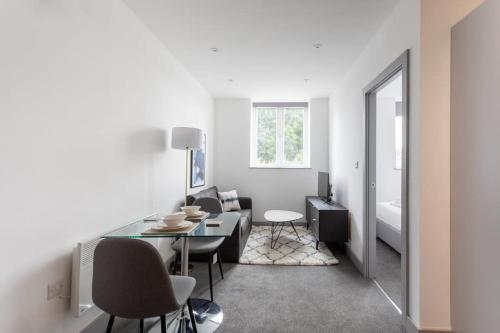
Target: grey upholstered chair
point(130, 281)
point(208, 245)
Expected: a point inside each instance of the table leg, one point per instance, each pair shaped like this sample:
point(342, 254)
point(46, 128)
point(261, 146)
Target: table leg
point(183, 320)
point(279, 225)
point(184, 256)
point(291, 223)
point(208, 315)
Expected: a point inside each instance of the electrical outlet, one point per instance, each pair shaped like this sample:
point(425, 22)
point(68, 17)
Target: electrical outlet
point(55, 289)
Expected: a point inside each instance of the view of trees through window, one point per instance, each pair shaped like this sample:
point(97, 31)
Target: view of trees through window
point(279, 135)
point(266, 136)
point(294, 135)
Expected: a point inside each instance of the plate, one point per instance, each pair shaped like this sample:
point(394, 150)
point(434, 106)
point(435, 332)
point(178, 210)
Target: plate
point(163, 227)
point(197, 214)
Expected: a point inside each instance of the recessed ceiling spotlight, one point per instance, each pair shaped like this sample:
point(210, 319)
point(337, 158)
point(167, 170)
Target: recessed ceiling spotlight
point(214, 49)
point(230, 80)
point(307, 80)
point(317, 45)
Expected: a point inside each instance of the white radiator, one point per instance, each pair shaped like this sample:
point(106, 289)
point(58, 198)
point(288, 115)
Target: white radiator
point(81, 277)
point(81, 274)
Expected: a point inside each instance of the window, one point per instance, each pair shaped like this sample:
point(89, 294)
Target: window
point(398, 131)
point(280, 135)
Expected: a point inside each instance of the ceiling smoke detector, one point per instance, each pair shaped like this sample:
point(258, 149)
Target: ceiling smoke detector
point(307, 80)
point(317, 45)
point(214, 49)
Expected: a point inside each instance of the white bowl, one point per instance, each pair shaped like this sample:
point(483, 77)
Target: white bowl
point(174, 219)
point(190, 210)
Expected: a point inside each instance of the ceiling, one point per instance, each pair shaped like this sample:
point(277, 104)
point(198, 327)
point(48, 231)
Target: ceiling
point(265, 48)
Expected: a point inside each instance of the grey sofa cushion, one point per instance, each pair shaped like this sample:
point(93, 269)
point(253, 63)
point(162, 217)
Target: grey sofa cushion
point(246, 213)
point(245, 220)
point(210, 192)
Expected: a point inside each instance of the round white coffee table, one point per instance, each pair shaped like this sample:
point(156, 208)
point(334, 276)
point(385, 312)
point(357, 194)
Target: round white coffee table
point(278, 219)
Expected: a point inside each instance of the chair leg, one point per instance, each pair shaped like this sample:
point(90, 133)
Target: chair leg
point(176, 263)
point(210, 275)
point(219, 259)
point(163, 324)
point(110, 323)
point(141, 325)
point(191, 315)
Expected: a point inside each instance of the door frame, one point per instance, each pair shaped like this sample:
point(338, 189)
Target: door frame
point(401, 64)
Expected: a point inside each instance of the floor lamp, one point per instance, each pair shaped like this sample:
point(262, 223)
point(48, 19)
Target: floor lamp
point(186, 138)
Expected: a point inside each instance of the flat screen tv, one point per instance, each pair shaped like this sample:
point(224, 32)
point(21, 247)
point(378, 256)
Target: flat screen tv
point(324, 185)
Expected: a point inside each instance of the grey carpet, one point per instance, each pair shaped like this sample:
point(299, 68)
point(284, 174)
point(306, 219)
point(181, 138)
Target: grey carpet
point(296, 299)
point(388, 271)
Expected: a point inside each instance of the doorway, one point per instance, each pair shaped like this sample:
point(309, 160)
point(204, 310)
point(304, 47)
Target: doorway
point(385, 255)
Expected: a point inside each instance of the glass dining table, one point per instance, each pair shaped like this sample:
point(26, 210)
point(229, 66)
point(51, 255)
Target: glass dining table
point(208, 315)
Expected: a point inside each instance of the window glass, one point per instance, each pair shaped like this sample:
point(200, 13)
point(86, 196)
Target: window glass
point(294, 135)
point(266, 136)
point(280, 135)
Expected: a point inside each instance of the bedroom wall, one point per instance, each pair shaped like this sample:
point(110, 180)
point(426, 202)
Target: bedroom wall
point(475, 184)
point(400, 32)
point(87, 97)
point(388, 178)
point(268, 188)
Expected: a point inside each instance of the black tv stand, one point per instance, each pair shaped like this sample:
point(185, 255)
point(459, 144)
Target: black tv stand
point(327, 220)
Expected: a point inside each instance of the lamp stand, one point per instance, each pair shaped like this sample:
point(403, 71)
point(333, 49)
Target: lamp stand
point(186, 182)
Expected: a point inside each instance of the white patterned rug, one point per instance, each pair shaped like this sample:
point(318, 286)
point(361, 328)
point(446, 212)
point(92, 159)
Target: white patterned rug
point(288, 250)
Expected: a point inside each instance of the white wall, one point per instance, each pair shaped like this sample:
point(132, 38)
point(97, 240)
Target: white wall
point(87, 100)
point(269, 188)
point(475, 184)
point(399, 33)
point(388, 178)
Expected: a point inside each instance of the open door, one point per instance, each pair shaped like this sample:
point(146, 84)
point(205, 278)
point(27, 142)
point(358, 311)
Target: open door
point(385, 256)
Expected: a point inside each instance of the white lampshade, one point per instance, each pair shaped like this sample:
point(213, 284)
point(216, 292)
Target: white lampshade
point(187, 137)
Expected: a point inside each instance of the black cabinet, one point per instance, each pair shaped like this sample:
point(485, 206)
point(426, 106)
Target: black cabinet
point(328, 221)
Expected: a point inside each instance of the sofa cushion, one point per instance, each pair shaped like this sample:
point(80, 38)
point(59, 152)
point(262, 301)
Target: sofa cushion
point(210, 192)
point(246, 213)
point(229, 200)
point(245, 221)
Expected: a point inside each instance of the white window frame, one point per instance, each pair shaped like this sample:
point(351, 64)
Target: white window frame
point(280, 144)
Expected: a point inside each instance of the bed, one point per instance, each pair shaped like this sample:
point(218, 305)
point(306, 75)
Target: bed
point(389, 224)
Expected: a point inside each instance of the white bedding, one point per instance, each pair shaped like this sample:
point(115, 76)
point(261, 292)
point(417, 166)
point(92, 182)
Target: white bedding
point(390, 214)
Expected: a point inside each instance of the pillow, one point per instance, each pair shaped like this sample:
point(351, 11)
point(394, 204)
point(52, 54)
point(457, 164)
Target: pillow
point(229, 200)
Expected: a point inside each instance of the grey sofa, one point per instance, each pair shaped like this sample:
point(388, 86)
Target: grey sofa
point(233, 247)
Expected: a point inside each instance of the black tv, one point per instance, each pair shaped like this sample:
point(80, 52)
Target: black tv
point(324, 185)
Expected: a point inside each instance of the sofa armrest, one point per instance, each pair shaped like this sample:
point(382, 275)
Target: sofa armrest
point(245, 202)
